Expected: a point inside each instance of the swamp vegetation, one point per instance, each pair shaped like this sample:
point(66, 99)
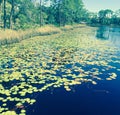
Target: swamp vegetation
point(48, 62)
point(46, 45)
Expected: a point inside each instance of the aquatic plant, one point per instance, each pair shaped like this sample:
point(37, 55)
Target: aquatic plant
point(45, 62)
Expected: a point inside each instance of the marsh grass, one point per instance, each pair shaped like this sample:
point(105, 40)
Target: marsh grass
point(71, 27)
point(13, 36)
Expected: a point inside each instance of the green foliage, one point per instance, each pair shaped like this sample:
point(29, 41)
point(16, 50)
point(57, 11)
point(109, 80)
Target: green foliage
point(22, 14)
point(31, 12)
point(106, 17)
point(67, 12)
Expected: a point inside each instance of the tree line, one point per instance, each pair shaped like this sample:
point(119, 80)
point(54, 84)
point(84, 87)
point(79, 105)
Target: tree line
point(25, 13)
point(21, 14)
point(106, 17)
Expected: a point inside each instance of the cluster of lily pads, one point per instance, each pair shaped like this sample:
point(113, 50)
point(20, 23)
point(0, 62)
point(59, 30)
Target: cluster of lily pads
point(62, 60)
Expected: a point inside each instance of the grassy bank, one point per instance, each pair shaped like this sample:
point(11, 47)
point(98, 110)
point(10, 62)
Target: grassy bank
point(12, 36)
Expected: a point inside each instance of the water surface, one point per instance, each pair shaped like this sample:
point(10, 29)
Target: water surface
point(68, 74)
point(109, 33)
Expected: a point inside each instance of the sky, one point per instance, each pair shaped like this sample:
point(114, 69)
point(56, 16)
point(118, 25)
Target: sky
point(96, 5)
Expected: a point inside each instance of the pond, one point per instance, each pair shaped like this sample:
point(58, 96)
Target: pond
point(64, 74)
point(109, 33)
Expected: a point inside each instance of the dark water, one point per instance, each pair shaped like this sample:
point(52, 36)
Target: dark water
point(85, 99)
point(30, 59)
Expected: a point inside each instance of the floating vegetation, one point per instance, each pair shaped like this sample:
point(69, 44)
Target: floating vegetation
point(9, 113)
point(61, 60)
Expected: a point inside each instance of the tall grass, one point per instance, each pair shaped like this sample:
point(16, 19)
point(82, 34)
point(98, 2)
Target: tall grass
point(13, 36)
point(70, 27)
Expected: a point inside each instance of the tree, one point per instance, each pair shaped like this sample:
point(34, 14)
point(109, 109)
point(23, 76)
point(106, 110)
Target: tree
point(1, 1)
point(11, 15)
point(105, 16)
point(117, 13)
point(26, 14)
point(5, 14)
point(40, 13)
point(116, 17)
point(67, 11)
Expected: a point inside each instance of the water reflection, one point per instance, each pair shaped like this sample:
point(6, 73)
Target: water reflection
point(109, 33)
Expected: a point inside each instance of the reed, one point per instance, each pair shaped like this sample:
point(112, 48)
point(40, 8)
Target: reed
point(13, 36)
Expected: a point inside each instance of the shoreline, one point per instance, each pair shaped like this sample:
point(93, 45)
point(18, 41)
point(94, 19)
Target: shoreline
point(12, 36)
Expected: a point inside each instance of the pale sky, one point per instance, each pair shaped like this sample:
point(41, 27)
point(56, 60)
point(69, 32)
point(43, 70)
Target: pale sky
point(96, 5)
